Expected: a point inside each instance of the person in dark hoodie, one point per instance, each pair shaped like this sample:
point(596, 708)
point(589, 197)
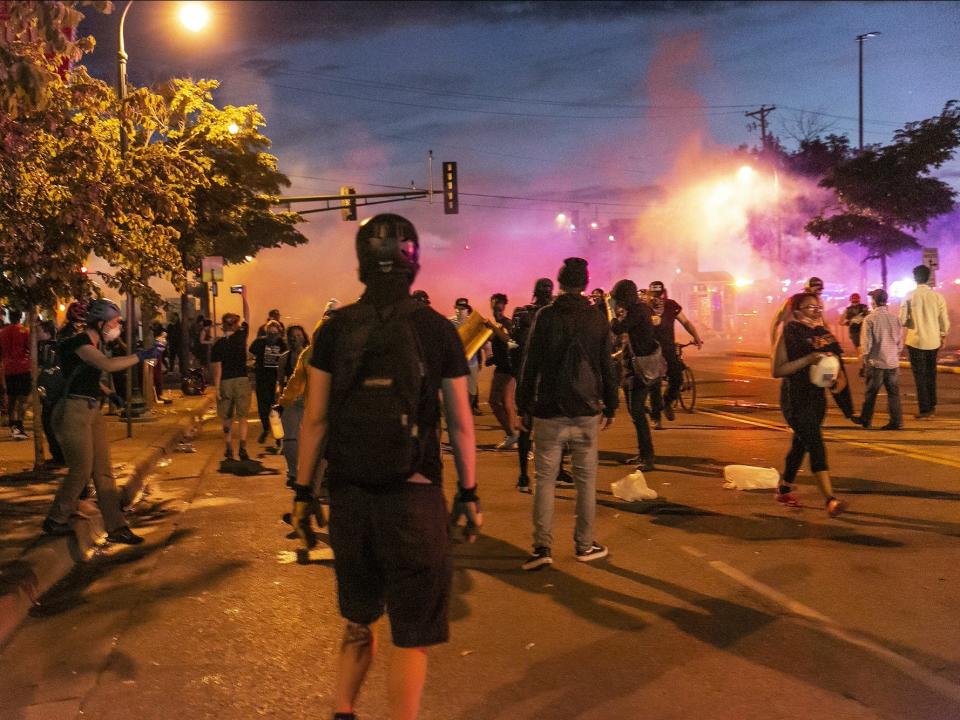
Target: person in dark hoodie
point(569, 387)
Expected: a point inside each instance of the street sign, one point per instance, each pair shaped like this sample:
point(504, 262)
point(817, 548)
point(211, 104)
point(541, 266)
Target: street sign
point(211, 269)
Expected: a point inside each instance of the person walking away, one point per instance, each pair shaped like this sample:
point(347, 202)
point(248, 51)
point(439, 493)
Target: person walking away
point(924, 315)
point(15, 357)
point(504, 385)
point(881, 346)
point(804, 342)
point(267, 351)
point(47, 362)
point(569, 387)
point(666, 312)
point(376, 374)
point(80, 427)
point(635, 320)
point(853, 316)
point(228, 360)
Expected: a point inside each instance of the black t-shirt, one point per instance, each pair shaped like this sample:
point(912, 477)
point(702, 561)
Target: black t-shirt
point(267, 354)
point(856, 314)
point(443, 357)
point(501, 350)
point(232, 352)
point(800, 340)
point(668, 310)
point(638, 326)
point(87, 380)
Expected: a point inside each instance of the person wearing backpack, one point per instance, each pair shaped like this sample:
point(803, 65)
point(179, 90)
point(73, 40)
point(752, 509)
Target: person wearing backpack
point(376, 373)
point(80, 426)
point(569, 386)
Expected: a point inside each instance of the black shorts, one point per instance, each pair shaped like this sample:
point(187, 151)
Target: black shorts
point(18, 385)
point(392, 551)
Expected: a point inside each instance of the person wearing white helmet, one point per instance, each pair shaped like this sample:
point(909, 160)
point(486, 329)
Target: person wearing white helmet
point(803, 344)
point(79, 425)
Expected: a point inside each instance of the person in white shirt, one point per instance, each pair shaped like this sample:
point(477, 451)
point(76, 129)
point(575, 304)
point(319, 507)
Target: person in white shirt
point(924, 315)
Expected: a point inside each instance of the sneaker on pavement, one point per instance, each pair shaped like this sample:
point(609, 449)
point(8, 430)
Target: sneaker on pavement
point(243, 455)
point(658, 424)
point(564, 478)
point(262, 438)
point(538, 558)
point(124, 536)
point(594, 552)
point(52, 527)
point(523, 485)
point(508, 443)
point(18, 434)
point(891, 426)
point(788, 499)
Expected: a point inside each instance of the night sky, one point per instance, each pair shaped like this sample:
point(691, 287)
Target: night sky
point(614, 105)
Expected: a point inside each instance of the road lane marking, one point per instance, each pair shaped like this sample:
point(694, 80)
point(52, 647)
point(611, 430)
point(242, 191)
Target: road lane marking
point(902, 663)
point(888, 448)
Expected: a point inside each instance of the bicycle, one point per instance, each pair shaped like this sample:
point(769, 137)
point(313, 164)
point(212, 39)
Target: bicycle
point(688, 387)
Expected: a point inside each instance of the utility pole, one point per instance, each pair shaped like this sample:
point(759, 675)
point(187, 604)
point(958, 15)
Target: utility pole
point(860, 39)
point(761, 116)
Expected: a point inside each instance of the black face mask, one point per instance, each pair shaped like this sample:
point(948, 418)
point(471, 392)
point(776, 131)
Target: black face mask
point(387, 289)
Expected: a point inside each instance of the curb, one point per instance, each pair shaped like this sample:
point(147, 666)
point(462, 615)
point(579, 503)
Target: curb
point(948, 369)
point(49, 560)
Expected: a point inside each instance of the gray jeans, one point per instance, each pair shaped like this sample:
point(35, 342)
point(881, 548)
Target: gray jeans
point(82, 434)
point(550, 435)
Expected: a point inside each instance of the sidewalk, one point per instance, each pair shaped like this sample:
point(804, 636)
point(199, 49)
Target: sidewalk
point(30, 562)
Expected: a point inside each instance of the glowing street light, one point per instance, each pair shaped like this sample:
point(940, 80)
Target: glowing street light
point(248, 258)
point(561, 218)
point(611, 238)
point(745, 173)
point(594, 225)
point(194, 16)
point(743, 282)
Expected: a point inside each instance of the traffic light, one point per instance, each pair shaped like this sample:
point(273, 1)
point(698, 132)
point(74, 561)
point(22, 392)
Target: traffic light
point(451, 200)
point(348, 205)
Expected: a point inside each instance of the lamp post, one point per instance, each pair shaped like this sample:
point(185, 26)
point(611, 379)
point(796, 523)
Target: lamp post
point(194, 17)
point(860, 39)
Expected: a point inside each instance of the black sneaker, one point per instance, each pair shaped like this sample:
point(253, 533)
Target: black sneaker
point(538, 558)
point(523, 484)
point(891, 426)
point(228, 455)
point(124, 536)
point(52, 527)
point(564, 478)
point(243, 455)
point(262, 438)
point(595, 552)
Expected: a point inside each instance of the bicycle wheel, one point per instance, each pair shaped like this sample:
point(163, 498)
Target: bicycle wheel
point(688, 391)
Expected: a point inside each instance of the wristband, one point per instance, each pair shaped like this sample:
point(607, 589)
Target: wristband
point(468, 494)
point(304, 493)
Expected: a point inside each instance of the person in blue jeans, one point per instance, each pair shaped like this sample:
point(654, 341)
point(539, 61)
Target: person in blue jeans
point(567, 392)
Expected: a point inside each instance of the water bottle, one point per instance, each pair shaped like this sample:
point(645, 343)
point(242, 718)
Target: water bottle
point(276, 425)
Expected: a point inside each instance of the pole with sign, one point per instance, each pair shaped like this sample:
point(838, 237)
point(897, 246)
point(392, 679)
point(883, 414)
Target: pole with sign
point(931, 258)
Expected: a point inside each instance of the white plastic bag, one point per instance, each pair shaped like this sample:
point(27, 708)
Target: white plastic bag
point(747, 477)
point(633, 487)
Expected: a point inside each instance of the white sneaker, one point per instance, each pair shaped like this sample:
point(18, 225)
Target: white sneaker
point(18, 434)
point(508, 443)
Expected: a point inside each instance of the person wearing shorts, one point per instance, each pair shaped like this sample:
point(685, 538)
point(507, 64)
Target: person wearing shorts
point(391, 537)
point(15, 356)
point(228, 359)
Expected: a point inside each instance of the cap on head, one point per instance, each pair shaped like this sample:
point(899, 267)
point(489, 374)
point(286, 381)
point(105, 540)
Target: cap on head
point(879, 296)
point(421, 296)
point(462, 304)
point(815, 283)
point(574, 274)
point(387, 244)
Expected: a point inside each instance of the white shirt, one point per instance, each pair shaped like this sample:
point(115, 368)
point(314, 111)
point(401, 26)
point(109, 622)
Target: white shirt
point(926, 310)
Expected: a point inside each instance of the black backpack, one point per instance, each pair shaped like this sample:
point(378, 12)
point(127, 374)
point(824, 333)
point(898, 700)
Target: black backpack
point(377, 388)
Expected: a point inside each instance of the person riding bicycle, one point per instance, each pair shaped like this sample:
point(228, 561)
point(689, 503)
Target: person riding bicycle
point(665, 313)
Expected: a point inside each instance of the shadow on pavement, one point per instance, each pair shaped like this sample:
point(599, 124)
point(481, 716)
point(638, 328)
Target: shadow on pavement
point(641, 651)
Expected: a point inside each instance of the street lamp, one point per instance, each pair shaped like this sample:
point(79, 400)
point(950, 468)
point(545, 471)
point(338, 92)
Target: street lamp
point(860, 39)
point(194, 16)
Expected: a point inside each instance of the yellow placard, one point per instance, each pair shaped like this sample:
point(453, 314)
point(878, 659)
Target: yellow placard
point(474, 333)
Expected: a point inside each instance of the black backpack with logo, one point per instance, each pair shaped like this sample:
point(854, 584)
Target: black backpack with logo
point(579, 391)
point(377, 387)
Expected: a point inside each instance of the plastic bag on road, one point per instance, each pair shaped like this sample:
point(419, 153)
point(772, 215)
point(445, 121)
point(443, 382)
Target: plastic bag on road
point(747, 477)
point(633, 487)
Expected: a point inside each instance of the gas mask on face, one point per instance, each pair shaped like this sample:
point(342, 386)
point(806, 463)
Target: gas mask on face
point(111, 334)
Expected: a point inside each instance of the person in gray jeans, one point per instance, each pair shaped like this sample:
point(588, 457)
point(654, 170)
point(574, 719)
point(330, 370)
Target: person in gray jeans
point(567, 392)
point(881, 343)
point(80, 427)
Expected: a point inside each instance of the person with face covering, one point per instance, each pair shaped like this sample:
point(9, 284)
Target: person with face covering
point(79, 425)
point(267, 351)
point(666, 312)
point(804, 342)
point(389, 526)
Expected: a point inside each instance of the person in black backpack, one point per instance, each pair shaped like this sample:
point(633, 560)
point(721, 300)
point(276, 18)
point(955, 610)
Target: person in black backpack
point(567, 381)
point(374, 381)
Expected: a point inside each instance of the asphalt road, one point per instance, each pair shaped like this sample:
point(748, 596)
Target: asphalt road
point(713, 603)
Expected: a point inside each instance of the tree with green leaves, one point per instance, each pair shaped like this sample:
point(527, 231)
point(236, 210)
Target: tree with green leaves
point(886, 193)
